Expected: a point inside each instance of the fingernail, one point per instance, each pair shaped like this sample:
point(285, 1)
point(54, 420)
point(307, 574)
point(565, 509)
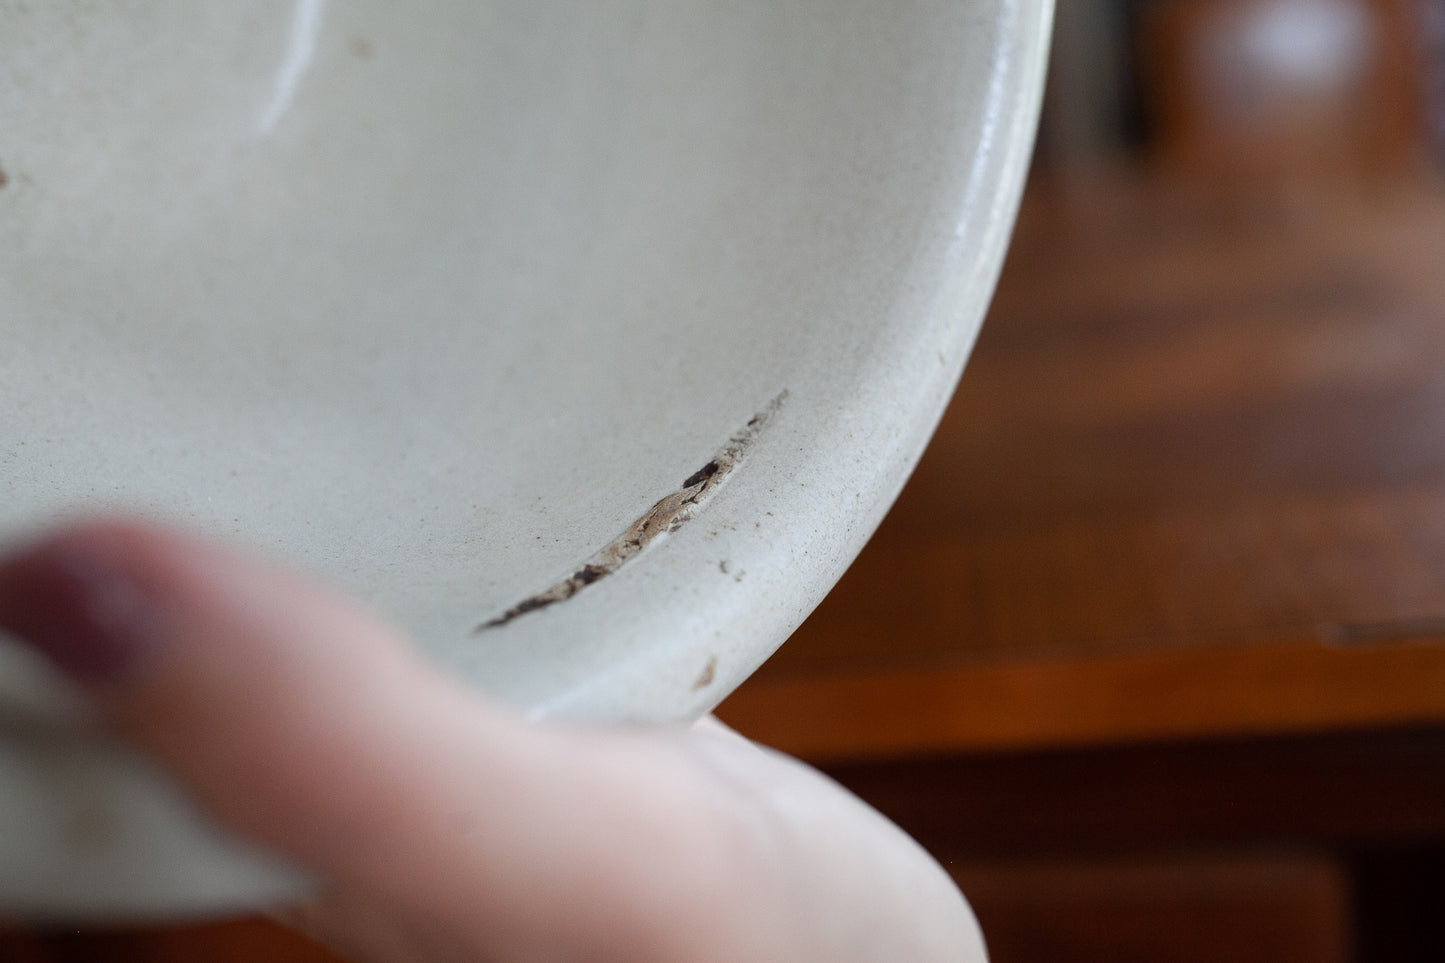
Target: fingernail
point(75, 602)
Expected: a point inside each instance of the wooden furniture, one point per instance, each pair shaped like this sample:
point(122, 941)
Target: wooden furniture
point(1195, 446)
point(1169, 586)
point(1292, 90)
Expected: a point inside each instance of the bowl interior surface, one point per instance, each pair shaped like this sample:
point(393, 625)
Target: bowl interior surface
point(586, 342)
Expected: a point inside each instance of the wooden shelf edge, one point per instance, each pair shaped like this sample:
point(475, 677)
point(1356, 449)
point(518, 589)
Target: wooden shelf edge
point(1273, 688)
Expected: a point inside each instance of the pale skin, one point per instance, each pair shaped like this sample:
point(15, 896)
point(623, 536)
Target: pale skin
point(444, 828)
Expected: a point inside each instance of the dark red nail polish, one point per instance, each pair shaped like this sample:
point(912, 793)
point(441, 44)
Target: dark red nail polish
point(75, 601)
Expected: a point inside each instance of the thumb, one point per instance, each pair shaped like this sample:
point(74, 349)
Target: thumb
point(441, 820)
point(278, 706)
point(304, 724)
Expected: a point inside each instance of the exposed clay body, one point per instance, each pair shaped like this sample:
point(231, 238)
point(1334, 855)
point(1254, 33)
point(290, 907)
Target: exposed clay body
point(668, 515)
point(707, 676)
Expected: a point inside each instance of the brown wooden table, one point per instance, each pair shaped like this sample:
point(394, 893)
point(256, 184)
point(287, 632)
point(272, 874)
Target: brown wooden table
point(1170, 578)
point(1192, 483)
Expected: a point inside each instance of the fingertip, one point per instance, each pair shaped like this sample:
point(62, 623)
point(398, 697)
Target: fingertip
point(83, 598)
point(260, 692)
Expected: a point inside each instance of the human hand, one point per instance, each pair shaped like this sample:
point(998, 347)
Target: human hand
point(444, 827)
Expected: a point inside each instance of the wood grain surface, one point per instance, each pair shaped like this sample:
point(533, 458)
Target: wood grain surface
point(1192, 483)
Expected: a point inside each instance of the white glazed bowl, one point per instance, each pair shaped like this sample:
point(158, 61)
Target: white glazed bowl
point(451, 303)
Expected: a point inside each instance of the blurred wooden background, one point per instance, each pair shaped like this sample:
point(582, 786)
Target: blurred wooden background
point(1151, 652)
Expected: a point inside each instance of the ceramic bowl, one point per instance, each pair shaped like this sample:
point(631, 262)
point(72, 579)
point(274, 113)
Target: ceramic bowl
point(588, 342)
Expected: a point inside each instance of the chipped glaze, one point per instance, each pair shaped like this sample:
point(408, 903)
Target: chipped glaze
point(665, 517)
point(434, 301)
